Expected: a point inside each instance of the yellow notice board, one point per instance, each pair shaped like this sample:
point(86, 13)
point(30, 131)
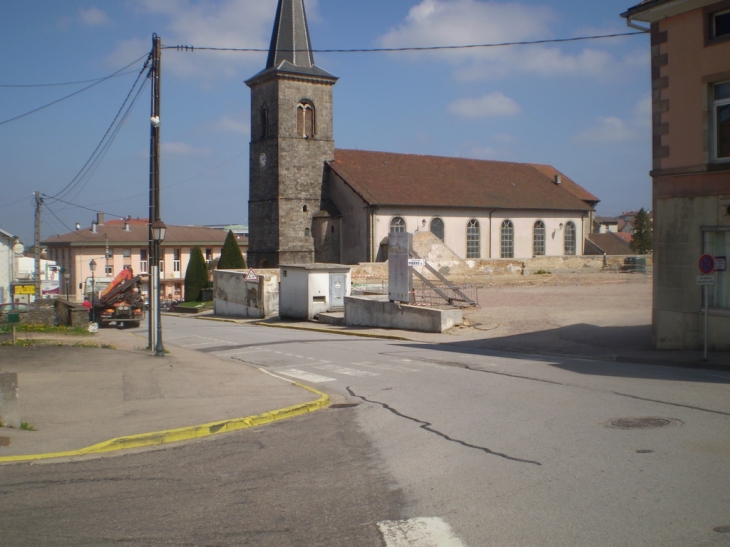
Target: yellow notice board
point(24, 289)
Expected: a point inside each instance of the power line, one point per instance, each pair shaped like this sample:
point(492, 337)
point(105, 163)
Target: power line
point(115, 75)
point(64, 224)
point(72, 94)
point(12, 203)
point(93, 156)
point(83, 207)
point(424, 48)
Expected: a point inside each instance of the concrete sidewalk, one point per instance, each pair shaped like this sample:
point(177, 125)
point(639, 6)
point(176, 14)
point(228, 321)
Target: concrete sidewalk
point(85, 400)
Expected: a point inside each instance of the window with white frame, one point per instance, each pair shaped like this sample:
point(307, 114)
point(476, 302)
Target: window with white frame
point(437, 228)
point(570, 238)
point(397, 224)
point(305, 119)
point(720, 24)
point(507, 246)
point(473, 239)
point(538, 239)
point(109, 270)
point(143, 261)
point(717, 243)
point(721, 121)
point(176, 260)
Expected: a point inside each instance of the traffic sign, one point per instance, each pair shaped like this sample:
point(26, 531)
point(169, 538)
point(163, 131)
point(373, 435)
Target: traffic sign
point(705, 279)
point(251, 276)
point(707, 264)
point(720, 263)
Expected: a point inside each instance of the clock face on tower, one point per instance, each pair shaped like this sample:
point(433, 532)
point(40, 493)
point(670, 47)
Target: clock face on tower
point(262, 159)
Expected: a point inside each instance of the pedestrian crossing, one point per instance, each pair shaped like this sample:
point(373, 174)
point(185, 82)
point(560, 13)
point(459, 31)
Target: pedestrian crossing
point(309, 369)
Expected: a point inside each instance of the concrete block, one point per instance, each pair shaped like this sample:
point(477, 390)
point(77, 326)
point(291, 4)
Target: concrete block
point(379, 312)
point(9, 407)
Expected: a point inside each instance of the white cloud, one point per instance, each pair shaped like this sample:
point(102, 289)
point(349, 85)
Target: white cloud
point(466, 22)
point(615, 129)
point(492, 104)
point(224, 24)
point(93, 17)
point(183, 149)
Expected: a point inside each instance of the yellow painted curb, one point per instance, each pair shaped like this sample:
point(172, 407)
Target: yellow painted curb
point(185, 433)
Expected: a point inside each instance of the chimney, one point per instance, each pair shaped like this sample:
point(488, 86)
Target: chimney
point(126, 226)
point(93, 227)
point(100, 218)
point(558, 179)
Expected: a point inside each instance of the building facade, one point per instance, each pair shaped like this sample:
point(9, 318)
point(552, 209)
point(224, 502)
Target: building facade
point(310, 202)
point(7, 240)
point(690, 80)
point(118, 244)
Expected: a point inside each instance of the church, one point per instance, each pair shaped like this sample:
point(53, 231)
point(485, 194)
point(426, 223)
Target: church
point(310, 202)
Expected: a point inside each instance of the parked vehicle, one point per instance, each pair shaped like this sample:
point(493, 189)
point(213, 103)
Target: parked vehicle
point(15, 307)
point(634, 264)
point(121, 302)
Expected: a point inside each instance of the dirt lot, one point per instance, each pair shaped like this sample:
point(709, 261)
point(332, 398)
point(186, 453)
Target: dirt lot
point(589, 313)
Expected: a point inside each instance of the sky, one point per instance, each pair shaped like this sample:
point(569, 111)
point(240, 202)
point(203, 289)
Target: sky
point(583, 107)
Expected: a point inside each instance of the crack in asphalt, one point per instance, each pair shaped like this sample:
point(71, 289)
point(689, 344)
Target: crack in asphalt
point(671, 404)
point(426, 426)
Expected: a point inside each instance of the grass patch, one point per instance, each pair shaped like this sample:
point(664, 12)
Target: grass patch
point(44, 329)
point(194, 305)
point(543, 272)
point(25, 426)
point(24, 343)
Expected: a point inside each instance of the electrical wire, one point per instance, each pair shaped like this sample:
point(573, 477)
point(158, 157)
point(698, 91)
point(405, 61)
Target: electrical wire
point(12, 203)
point(72, 94)
point(69, 187)
point(83, 207)
point(424, 48)
point(79, 233)
point(115, 75)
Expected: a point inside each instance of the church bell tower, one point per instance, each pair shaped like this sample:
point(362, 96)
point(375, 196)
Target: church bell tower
point(291, 139)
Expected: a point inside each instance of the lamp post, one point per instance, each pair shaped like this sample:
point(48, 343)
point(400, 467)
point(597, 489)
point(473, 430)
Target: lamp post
point(158, 236)
point(92, 267)
point(66, 277)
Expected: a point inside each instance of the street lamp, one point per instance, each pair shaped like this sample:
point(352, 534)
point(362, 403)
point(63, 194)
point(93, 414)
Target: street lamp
point(66, 277)
point(158, 235)
point(92, 267)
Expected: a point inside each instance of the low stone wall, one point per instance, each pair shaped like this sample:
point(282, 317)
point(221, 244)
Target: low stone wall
point(70, 314)
point(377, 311)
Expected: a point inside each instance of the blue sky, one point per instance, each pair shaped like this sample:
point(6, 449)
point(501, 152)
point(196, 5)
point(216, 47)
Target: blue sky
point(583, 107)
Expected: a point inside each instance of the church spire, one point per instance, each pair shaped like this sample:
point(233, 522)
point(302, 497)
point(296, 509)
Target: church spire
point(290, 40)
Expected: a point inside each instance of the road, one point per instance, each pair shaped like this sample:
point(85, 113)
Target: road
point(470, 446)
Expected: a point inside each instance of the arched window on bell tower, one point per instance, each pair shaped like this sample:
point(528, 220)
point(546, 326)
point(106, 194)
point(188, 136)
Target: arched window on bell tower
point(264, 122)
point(305, 119)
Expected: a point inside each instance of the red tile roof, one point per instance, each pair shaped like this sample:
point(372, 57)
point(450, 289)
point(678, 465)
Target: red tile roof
point(384, 178)
point(610, 243)
point(137, 235)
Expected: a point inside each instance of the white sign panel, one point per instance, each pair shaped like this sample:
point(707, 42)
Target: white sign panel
point(416, 262)
point(399, 274)
point(705, 280)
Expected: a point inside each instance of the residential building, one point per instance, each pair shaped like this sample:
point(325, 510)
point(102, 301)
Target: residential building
point(690, 82)
point(7, 258)
point(117, 244)
point(309, 202)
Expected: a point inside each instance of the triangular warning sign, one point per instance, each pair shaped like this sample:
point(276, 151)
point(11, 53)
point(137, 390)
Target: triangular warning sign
point(251, 276)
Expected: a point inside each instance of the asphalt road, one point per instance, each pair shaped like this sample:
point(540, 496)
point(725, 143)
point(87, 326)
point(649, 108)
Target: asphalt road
point(486, 448)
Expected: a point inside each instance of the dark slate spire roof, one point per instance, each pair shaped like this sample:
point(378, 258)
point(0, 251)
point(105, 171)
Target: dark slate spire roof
point(291, 48)
point(290, 40)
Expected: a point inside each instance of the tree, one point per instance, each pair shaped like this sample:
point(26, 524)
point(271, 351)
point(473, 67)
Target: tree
point(196, 276)
point(641, 240)
point(231, 256)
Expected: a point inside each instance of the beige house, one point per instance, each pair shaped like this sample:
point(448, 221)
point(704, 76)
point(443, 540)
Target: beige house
point(117, 244)
point(690, 79)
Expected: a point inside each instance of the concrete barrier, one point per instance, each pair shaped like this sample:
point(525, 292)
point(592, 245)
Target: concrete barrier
point(9, 407)
point(234, 296)
point(378, 311)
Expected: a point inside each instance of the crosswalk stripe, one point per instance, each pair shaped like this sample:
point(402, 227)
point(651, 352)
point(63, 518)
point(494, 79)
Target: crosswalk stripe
point(308, 376)
point(345, 370)
point(419, 532)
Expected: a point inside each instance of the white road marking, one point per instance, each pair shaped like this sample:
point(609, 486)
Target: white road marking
point(419, 532)
point(308, 376)
point(384, 366)
point(345, 371)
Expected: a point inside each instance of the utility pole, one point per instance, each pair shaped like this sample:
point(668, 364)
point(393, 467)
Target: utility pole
point(37, 245)
point(154, 247)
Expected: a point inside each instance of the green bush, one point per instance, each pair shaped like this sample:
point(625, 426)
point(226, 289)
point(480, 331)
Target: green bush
point(196, 276)
point(231, 256)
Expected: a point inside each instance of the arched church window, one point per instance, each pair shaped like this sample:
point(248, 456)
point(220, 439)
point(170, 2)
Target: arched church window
point(538, 239)
point(507, 248)
point(397, 225)
point(264, 122)
point(437, 228)
point(473, 239)
point(305, 119)
point(570, 240)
